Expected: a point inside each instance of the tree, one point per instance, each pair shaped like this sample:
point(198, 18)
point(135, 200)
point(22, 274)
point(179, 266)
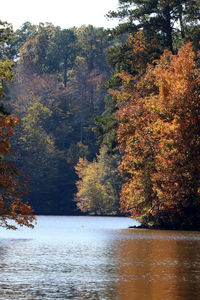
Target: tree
point(42, 103)
point(165, 19)
point(159, 136)
point(31, 56)
point(12, 202)
point(92, 44)
point(56, 120)
point(42, 33)
point(135, 144)
point(176, 181)
point(18, 38)
point(39, 158)
point(5, 36)
point(49, 50)
point(98, 185)
point(137, 52)
point(62, 51)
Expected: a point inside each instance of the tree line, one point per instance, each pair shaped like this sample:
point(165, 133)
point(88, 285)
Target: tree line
point(151, 119)
point(56, 90)
point(114, 111)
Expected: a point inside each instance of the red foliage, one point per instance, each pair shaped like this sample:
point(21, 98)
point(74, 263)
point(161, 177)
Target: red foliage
point(12, 205)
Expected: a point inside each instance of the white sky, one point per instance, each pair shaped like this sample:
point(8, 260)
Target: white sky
point(63, 13)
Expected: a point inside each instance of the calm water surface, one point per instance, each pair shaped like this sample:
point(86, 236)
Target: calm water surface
point(98, 258)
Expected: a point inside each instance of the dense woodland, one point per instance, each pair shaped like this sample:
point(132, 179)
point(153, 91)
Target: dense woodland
point(104, 122)
point(57, 89)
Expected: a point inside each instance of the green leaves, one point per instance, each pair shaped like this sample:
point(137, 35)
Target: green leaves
point(169, 21)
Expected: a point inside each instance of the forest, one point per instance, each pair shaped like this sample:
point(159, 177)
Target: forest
point(103, 122)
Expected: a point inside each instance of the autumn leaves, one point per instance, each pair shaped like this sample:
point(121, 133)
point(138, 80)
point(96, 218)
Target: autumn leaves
point(12, 204)
point(159, 137)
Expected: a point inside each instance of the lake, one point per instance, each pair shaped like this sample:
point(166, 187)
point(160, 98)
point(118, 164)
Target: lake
point(98, 258)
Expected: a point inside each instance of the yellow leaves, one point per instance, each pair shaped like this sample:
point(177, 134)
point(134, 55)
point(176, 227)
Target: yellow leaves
point(172, 74)
point(137, 42)
point(184, 62)
point(96, 187)
point(89, 188)
point(6, 73)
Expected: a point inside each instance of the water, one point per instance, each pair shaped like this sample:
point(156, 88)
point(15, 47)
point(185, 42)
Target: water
point(98, 258)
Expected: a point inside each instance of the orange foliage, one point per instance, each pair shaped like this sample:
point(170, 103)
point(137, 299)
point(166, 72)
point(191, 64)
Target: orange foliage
point(141, 51)
point(159, 134)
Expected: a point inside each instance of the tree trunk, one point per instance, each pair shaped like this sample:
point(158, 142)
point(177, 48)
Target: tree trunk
point(168, 28)
point(65, 72)
point(181, 21)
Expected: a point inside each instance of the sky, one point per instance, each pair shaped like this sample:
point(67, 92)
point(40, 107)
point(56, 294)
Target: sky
point(63, 13)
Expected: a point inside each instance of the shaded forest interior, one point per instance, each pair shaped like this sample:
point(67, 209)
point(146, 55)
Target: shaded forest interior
point(58, 88)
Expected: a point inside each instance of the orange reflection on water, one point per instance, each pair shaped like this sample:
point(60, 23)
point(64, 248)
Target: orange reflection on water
point(158, 265)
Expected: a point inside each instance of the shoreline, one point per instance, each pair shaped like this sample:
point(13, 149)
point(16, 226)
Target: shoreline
point(160, 228)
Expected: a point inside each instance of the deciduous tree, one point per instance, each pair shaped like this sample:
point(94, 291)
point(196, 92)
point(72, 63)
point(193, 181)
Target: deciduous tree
point(159, 134)
point(12, 204)
point(98, 185)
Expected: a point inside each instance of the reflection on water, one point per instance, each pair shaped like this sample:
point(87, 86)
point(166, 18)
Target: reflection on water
point(98, 258)
point(158, 265)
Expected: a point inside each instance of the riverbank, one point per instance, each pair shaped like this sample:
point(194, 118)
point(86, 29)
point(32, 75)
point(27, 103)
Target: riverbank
point(164, 228)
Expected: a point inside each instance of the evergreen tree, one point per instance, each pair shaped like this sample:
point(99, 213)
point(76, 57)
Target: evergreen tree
point(165, 19)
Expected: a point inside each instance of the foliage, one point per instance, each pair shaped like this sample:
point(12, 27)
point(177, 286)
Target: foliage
point(98, 185)
point(56, 114)
point(40, 142)
point(167, 20)
point(159, 135)
point(6, 32)
point(12, 204)
point(139, 52)
point(62, 51)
